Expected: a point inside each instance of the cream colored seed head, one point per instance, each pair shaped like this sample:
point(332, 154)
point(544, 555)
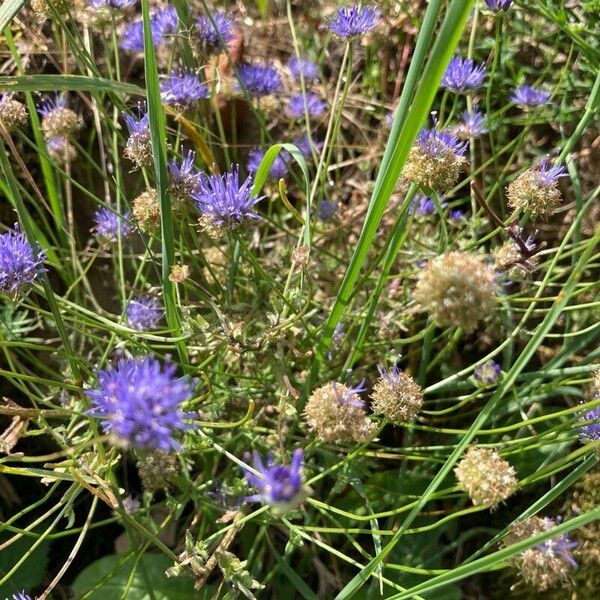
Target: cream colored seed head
point(485, 476)
point(61, 122)
point(12, 113)
point(138, 149)
point(397, 396)
point(457, 289)
point(335, 413)
point(146, 210)
point(437, 173)
point(528, 193)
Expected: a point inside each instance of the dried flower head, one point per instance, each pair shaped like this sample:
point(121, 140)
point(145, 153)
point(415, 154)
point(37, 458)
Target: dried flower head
point(485, 476)
point(138, 148)
point(215, 31)
point(458, 290)
point(396, 395)
point(547, 564)
point(144, 313)
point(277, 485)
point(310, 102)
point(302, 67)
point(526, 96)
point(597, 382)
point(60, 149)
point(224, 201)
point(182, 90)
point(179, 273)
point(157, 470)
point(435, 161)
point(108, 225)
point(510, 259)
point(12, 112)
point(146, 211)
point(57, 119)
point(354, 21)
point(258, 80)
point(463, 75)
point(536, 190)
point(336, 414)
point(20, 262)
point(140, 400)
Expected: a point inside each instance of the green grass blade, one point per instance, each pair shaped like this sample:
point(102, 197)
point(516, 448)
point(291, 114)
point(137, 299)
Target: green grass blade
point(8, 10)
point(66, 83)
point(157, 123)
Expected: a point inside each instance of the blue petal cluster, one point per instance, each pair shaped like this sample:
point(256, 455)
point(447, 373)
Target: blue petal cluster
point(276, 483)
point(20, 262)
point(561, 545)
point(226, 201)
point(143, 313)
point(498, 5)
point(528, 96)
point(304, 145)
point(280, 166)
point(108, 224)
point(259, 80)
point(463, 75)
point(182, 89)
point(121, 4)
point(20, 596)
point(303, 67)
point(354, 21)
point(437, 142)
point(49, 105)
point(162, 23)
point(218, 32)
point(590, 431)
point(346, 397)
point(421, 205)
point(185, 174)
point(140, 400)
point(139, 124)
point(487, 373)
point(548, 174)
point(315, 106)
point(474, 124)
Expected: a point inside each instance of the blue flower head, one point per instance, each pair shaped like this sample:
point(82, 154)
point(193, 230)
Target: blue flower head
point(498, 5)
point(184, 177)
point(139, 401)
point(473, 124)
point(303, 67)
point(436, 142)
point(51, 105)
point(280, 166)
point(487, 373)
point(120, 4)
point(528, 97)
point(183, 89)
point(162, 23)
point(350, 395)
point(590, 431)
point(561, 545)
point(463, 75)
point(259, 80)
point(303, 144)
point(276, 484)
point(422, 205)
point(139, 124)
point(217, 33)
point(354, 21)
point(20, 262)
point(456, 215)
point(315, 106)
point(327, 209)
point(143, 313)
point(548, 174)
point(224, 201)
point(108, 224)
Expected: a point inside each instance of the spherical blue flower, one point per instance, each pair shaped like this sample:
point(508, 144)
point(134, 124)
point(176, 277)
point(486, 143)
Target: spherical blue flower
point(183, 89)
point(184, 177)
point(20, 262)
point(140, 400)
point(528, 96)
point(304, 145)
point(547, 174)
point(351, 22)
point(474, 124)
point(303, 67)
point(456, 215)
point(463, 75)
point(487, 373)
point(275, 483)
point(224, 201)
point(108, 224)
point(259, 80)
point(498, 5)
point(216, 35)
point(143, 313)
point(162, 23)
point(436, 142)
point(279, 168)
point(590, 431)
point(139, 124)
point(315, 106)
point(327, 210)
point(422, 205)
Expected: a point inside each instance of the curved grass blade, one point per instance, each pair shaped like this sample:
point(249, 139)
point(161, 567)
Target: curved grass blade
point(66, 83)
